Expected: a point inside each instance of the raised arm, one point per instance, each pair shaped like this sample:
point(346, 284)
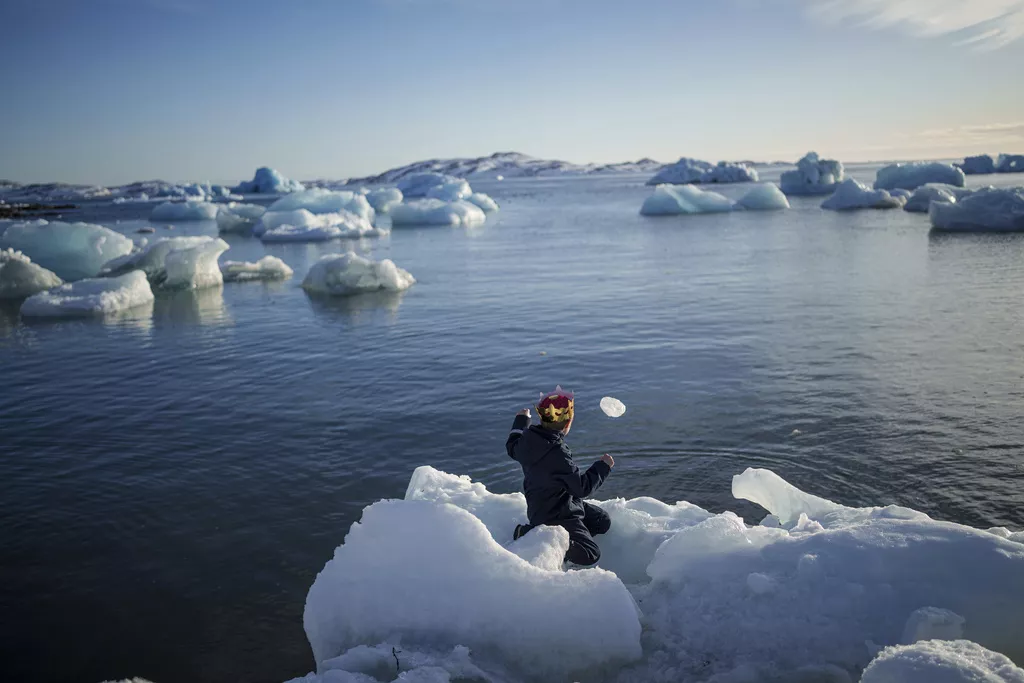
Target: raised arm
point(521, 422)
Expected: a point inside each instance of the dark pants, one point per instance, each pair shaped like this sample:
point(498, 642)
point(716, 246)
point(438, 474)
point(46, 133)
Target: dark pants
point(583, 549)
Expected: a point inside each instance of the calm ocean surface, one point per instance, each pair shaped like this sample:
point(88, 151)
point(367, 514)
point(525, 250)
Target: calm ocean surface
point(171, 483)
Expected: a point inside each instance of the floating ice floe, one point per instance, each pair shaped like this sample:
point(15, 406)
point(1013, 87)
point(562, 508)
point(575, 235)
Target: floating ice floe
point(90, 297)
point(822, 588)
point(688, 171)
point(1010, 163)
point(450, 191)
point(917, 173)
point(813, 176)
point(267, 268)
point(484, 201)
point(436, 212)
point(764, 197)
point(235, 217)
point(668, 200)
point(384, 199)
point(934, 192)
point(417, 185)
point(302, 226)
point(942, 661)
point(983, 164)
point(71, 250)
point(612, 407)
point(190, 210)
point(175, 262)
point(20, 278)
point(320, 201)
point(851, 194)
point(349, 273)
point(988, 209)
point(268, 181)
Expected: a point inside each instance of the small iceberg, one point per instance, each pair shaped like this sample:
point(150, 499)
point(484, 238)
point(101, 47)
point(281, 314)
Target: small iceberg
point(384, 199)
point(917, 173)
point(20, 278)
point(688, 171)
point(71, 250)
point(268, 181)
point(934, 192)
point(90, 297)
point(267, 268)
point(989, 209)
point(813, 176)
point(670, 200)
point(417, 185)
point(300, 225)
point(190, 210)
point(450, 191)
point(348, 273)
point(437, 212)
point(1010, 163)
point(235, 217)
point(850, 195)
point(486, 204)
point(319, 201)
point(764, 197)
point(983, 164)
point(175, 262)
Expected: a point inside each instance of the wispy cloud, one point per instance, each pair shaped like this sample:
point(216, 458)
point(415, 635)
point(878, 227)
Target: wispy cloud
point(976, 135)
point(983, 24)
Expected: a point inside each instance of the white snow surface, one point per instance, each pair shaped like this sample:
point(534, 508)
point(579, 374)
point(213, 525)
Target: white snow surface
point(383, 199)
point(90, 297)
point(813, 176)
point(941, 661)
point(349, 273)
point(235, 217)
point(612, 407)
point(986, 210)
point(484, 201)
point(320, 201)
point(20, 278)
point(764, 197)
point(175, 262)
point(267, 268)
point(71, 250)
point(1010, 163)
point(300, 225)
point(932, 623)
point(668, 200)
point(851, 194)
point(190, 210)
point(917, 173)
point(268, 181)
point(983, 164)
point(436, 212)
point(688, 171)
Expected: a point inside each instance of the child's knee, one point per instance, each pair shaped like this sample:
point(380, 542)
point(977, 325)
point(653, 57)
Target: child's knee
point(602, 524)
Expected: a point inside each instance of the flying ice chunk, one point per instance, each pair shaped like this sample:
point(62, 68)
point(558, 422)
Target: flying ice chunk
point(20, 278)
point(933, 623)
point(851, 194)
point(986, 210)
point(765, 197)
point(917, 173)
point(191, 210)
point(235, 217)
point(419, 184)
point(302, 226)
point(670, 200)
point(934, 192)
point(71, 250)
point(268, 181)
point(349, 273)
point(318, 200)
point(432, 574)
point(941, 661)
point(813, 176)
point(687, 171)
point(267, 268)
point(384, 199)
point(1010, 163)
point(436, 212)
point(983, 164)
point(612, 407)
point(175, 262)
point(484, 201)
point(90, 297)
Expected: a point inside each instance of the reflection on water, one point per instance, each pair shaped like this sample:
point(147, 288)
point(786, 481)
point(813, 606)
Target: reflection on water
point(138, 318)
point(192, 306)
point(357, 308)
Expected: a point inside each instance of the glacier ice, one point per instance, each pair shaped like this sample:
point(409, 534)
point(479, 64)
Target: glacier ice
point(20, 278)
point(450, 191)
point(436, 212)
point(190, 210)
point(813, 176)
point(1010, 163)
point(941, 661)
point(988, 209)
point(764, 197)
point(687, 171)
point(349, 273)
point(417, 185)
point(923, 196)
point(917, 173)
point(318, 200)
point(300, 225)
point(175, 262)
point(612, 407)
point(983, 164)
point(670, 200)
point(235, 217)
point(484, 201)
point(71, 250)
point(384, 199)
point(851, 194)
point(90, 297)
point(267, 268)
point(268, 181)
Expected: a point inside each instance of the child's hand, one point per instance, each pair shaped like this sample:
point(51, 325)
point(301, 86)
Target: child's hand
point(524, 411)
point(608, 460)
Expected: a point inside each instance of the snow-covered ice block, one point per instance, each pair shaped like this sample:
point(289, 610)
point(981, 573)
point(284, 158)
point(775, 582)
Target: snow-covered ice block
point(191, 210)
point(268, 181)
point(436, 212)
point(484, 201)
point(432, 574)
point(986, 210)
point(379, 663)
point(543, 547)
point(90, 297)
point(235, 217)
point(302, 226)
point(20, 278)
point(1010, 163)
point(851, 194)
point(71, 250)
point(917, 173)
point(417, 185)
point(687, 171)
point(983, 164)
point(384, 199)
point(932, 623)
point(941, 661)
point(349, 273)
point(813, 176)
point(934, 192)
point(451, 191)
point(765, 197)
point(684, 199)
point(320, 201)
point(267, 268)
point(175, 262)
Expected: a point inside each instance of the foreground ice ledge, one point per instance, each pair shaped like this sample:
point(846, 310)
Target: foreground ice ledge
point(817, 589)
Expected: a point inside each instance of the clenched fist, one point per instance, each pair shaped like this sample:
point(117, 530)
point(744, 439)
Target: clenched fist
point(608, 460)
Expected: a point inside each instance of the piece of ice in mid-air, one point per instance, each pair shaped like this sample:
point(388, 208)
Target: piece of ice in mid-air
point(612, 407)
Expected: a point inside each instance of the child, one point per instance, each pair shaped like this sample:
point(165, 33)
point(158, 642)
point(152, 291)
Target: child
point(554, 486)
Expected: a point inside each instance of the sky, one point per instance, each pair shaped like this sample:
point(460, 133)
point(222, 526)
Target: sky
point(110, 91)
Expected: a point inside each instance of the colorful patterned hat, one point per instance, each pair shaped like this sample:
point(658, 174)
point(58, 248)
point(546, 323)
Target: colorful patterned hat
point(556, 406)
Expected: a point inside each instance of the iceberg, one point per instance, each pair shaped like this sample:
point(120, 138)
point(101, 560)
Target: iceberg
point(983, 164)
point(934, 192)
point(175, 262)
point(851, 194)
point(267, 268)
point(235, 217)
point(688, 171)
point(436, 212)
point(1010, 163)
point(268, 181)
point(813, 176)
point(417, 185)
point(302, 226)
point(90, 297)
point(765, 197)
point(451, 191)
point(384, 199)
point(917, 173)
point(941, 661)
point(989, 209)
point(486, 204)
point(190, 210)
point(20, 278)
point(325, 201)
point(669, 200)
point(71, 250)
point(349, 273)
